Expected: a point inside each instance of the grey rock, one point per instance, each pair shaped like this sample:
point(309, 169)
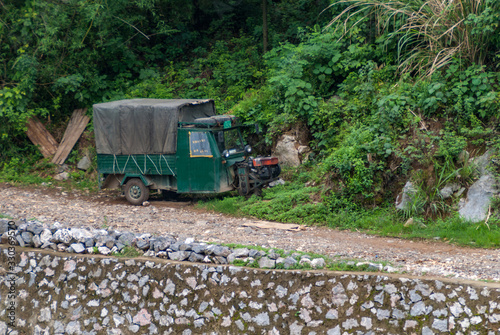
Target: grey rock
point(179, 255)
point(289, 262)
point(45, 236)
point(34, 228)
point(221, 260)
point(134, 328)
point(36, 241)
point(256, 253)
point(449, 189)
point(119, 247)
point(280, 260)
point(482, 162)
point(405, 198)
point(27, 238)
point(102, 240)
point(427, 331)
point(73, 327)
point(196, 258)
point(78, 247)
point(84, 163)
point(62, 236)
point(441, 325)
point(127, 238)
point(89, 242)
point(62, 176)
point(266, 263)
point(20, 241)
point(334, 331)
point(199, 248)
point(273, 255)
point(418, 309)
point(241, 252)
point(318, 263)
point(286, 151)
point(4, 226)
point(104, 250)
point(217, 250)
point(142, 243)
point(478, 199)
point(277, 182)
point(174, 246)
point(80, 235)
point(185, 247)
point(262, 319)
point(375, 266)
point(305, 261)
point(160, 244)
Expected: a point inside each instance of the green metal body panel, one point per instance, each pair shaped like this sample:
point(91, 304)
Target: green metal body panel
point(155, 171)
point(187, 171)
point(201, 172)
point(137, 164)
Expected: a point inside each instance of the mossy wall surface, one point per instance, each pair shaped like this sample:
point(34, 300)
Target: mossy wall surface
point(54, 293)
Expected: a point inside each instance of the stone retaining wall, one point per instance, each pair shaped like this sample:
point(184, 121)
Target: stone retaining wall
point(84, 294)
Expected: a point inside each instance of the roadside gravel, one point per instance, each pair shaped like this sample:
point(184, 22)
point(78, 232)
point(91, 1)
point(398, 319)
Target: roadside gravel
point(184, 220)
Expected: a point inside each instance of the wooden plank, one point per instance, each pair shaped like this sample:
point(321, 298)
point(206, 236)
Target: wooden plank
point(39, 135)
point(274, 225)
point(74, 130)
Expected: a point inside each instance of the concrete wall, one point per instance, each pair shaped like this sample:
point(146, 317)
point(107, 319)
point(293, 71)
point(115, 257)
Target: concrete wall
point(75, 294)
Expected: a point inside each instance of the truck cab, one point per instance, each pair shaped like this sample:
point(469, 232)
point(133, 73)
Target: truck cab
point(203, 153)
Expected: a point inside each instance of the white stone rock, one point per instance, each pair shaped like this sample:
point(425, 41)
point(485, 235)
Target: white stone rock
point(84, 163)
point(318, 263)
point(286, 151)
point(475, 208)
point(405, 198)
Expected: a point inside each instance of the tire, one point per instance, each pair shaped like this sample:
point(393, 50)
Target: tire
point(136, 192)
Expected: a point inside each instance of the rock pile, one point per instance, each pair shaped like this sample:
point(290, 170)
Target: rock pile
point(109, 241)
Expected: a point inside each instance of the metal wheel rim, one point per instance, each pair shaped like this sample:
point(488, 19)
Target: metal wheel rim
point(135, 192)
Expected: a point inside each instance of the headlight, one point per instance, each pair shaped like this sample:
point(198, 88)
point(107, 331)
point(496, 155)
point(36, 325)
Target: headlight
point(225, 153)
point(248, 148)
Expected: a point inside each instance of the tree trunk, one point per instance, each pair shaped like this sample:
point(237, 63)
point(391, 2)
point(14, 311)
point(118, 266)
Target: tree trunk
point(264, 25)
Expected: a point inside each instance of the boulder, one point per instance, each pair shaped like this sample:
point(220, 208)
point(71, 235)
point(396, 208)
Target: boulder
point(287, 151)
point(62, 236)
point(80, 235)
point(62, 176)
point(475, 207)
point(84, 163)
point(405, 198)
point(449, 189)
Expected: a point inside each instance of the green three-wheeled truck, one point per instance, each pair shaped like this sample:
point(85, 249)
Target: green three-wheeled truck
point(175, 145)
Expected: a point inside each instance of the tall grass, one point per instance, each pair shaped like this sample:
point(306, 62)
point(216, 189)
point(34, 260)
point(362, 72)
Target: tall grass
point(431, 33)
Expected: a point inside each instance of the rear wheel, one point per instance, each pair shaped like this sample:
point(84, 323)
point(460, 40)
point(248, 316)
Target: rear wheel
point(136, 192)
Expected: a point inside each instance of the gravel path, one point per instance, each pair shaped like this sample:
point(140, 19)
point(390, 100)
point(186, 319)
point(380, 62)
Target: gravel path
point(184, 220)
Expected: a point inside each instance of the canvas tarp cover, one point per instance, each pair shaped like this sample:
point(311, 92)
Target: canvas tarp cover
point(144, 126)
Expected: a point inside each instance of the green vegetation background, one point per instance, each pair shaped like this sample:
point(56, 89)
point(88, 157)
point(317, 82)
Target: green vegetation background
point(384, 92)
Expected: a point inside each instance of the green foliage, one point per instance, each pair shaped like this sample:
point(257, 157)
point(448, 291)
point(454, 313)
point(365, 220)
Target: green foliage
point(128, 252)
point(431, 34)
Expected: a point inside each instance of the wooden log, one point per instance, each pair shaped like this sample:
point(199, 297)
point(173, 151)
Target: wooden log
point(74, 130)
point(40, 136)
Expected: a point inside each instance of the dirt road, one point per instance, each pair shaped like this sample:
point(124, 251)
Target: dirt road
point(184, 220)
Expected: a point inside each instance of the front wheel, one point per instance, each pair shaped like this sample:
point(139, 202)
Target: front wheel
point(136, 192)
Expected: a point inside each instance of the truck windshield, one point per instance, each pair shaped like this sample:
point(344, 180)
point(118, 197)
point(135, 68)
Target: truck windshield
point(230, 140)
